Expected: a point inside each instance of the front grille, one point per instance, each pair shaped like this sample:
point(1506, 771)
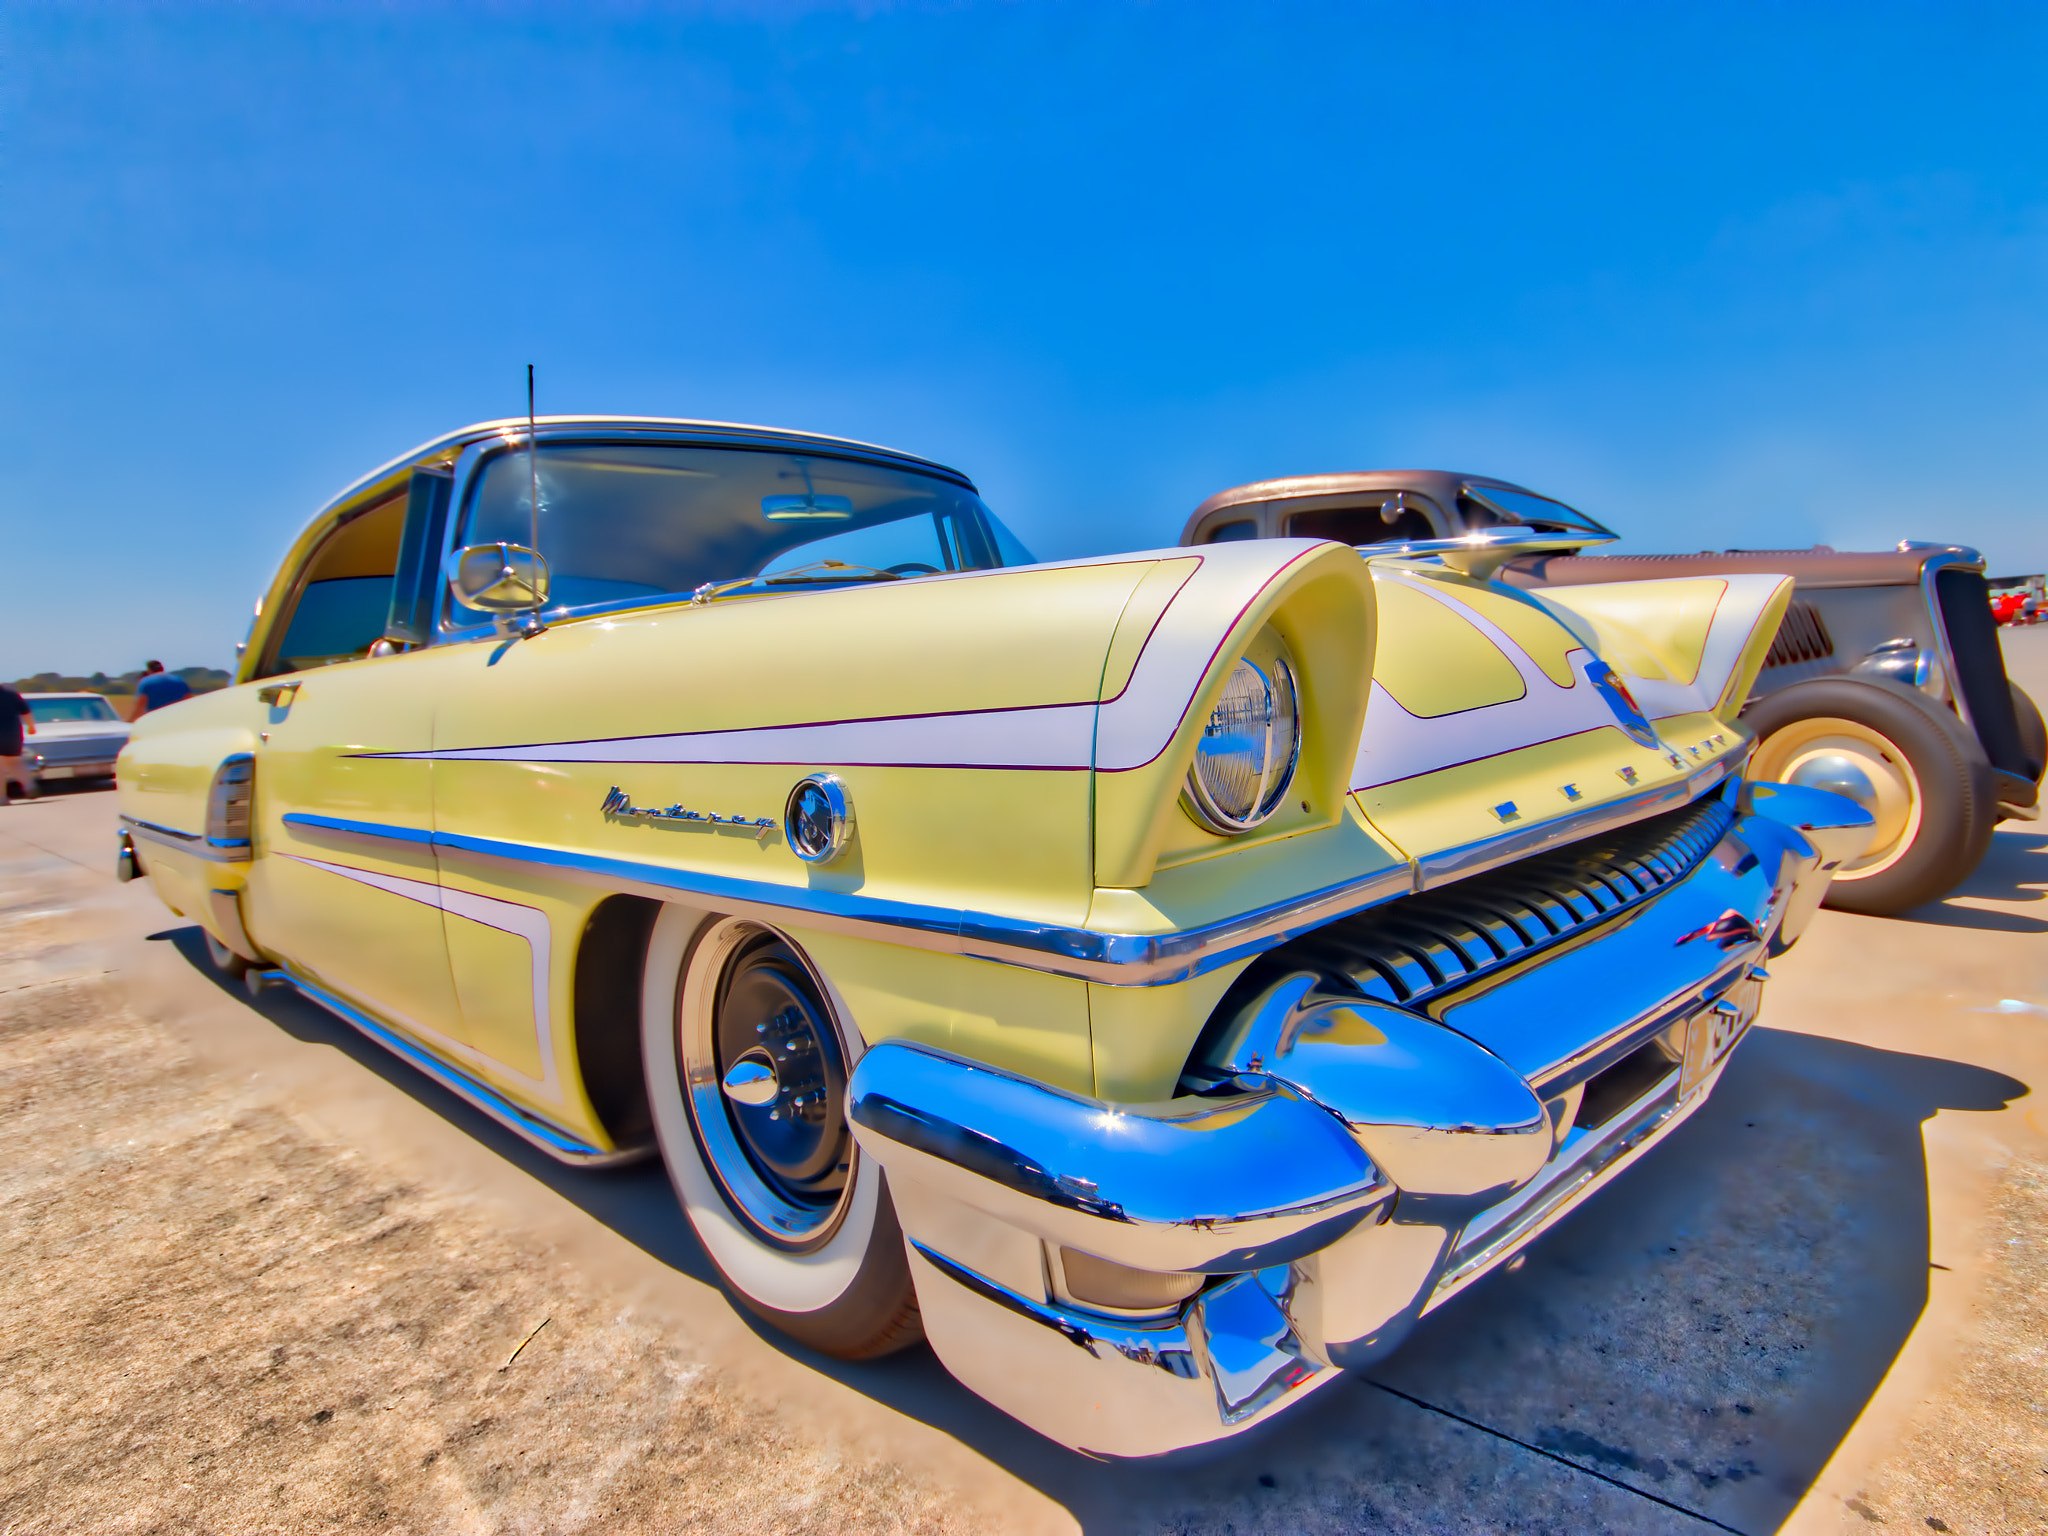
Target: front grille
point(1965, 599)
point(1406, 950)
point(1802, 637)
point(57, 751)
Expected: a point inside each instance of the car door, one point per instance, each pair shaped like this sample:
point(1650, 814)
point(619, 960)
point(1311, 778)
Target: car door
point(344, 885)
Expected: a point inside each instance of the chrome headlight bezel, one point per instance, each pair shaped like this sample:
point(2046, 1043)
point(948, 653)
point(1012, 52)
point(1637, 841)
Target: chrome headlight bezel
point(1261, 699)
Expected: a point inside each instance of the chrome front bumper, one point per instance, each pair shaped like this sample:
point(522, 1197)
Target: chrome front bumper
point(1363, 1165)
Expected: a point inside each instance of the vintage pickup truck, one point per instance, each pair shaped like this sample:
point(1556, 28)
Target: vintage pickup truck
point(1156, 980)
point(1885, 682)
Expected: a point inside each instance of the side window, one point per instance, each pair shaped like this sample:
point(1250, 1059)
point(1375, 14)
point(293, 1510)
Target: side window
point(1398, 517)
point(1230, 533)
point(344, 598)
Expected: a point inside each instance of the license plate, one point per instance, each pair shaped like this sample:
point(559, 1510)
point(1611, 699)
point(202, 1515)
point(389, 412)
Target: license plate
point(56, 773)
point(1712, 1032)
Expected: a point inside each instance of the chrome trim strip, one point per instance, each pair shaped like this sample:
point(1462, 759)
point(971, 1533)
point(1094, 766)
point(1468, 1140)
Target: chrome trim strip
point(1435, 870)
point(216, 850)
point(1117, 959)
point(556, 1142)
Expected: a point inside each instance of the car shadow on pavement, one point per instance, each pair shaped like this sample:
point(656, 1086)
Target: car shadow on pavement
point(1684, 1352)
point(2015, 869)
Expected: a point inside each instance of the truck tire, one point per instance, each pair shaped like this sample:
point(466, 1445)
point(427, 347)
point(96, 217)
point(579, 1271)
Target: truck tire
point(2033, 733)
point(1907, 760)
point(798, 1224)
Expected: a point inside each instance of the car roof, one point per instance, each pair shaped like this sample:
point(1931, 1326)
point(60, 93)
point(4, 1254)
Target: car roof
point(64, 696)
point(731, 434)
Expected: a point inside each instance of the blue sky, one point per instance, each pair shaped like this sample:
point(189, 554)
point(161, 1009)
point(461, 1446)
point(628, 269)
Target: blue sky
point(1721, 274)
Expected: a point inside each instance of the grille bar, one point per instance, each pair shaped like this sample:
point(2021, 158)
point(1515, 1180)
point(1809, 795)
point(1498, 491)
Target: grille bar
point(1408, 950)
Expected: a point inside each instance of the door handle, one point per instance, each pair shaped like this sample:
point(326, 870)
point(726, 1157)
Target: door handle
point(278, 695)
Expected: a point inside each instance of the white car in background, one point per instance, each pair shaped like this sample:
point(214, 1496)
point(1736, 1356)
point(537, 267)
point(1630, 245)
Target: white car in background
point(78, 736)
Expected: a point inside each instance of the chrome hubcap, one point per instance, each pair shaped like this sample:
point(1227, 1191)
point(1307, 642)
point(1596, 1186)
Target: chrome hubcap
point(765, 1072)
point(1848, 758)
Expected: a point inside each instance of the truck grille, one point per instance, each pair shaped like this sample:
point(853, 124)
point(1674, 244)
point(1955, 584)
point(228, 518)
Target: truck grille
point(1965, 598)
point(1802, 637)
point(65, 751)
point(1409, 949)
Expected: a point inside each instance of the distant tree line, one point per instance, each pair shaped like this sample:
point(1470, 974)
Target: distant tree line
point(199, 679)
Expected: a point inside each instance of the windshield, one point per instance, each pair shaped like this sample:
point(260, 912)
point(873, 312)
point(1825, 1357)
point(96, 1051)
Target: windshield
point(1493, 506)
point(622, 523)
point(70, 711)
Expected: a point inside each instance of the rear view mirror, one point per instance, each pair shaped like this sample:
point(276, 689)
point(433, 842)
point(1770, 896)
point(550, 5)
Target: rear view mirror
point(499, 578)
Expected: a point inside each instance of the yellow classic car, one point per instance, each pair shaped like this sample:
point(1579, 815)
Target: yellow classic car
point(1156, 980)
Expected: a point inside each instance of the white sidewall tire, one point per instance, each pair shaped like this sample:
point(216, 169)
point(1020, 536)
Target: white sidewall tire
point(770, 1276)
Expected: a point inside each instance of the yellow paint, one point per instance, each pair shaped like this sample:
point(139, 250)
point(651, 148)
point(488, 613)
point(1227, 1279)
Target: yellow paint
point(1024, 1021)
point(1655, 629)
point(1432, 661)
point(1142, 1035)
point(494, 984)
point(1524, 621)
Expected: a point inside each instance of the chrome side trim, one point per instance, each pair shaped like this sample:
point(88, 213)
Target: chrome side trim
point(1117, 959)
point(1440, 869)
point(559, 1144)
point(1086, 954)
point(217, 850)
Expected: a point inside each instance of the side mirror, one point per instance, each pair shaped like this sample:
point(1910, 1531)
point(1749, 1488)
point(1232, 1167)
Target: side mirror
point(499, 578)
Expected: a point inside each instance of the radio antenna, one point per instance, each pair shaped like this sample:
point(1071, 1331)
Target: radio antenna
point(532, 462)
point(533, 625)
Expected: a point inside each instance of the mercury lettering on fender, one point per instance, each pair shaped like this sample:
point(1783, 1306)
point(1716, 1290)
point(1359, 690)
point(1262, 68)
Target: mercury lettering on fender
point(619, 803)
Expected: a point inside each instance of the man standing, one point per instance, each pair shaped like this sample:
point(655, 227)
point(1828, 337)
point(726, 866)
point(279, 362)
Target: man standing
point(159, 688)
point(15, 717)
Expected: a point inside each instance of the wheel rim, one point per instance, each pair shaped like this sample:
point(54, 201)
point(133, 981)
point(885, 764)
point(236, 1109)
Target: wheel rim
point(776, 1141)
point(1848, 758)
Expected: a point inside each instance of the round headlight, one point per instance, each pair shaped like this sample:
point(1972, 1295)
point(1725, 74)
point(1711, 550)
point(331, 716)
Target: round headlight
point(1245, 760)
point(818, 819)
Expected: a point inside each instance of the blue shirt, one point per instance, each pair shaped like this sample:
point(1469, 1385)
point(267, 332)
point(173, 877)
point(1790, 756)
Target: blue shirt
point(161, 688)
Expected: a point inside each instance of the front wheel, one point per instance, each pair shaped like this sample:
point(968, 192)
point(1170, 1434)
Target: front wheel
point(1905, 759)
point(747, 1062)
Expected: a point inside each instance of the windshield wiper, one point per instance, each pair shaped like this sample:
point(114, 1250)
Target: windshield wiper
point(796, 576)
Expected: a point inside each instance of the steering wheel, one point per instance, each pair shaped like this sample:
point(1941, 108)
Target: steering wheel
point(913, 568)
